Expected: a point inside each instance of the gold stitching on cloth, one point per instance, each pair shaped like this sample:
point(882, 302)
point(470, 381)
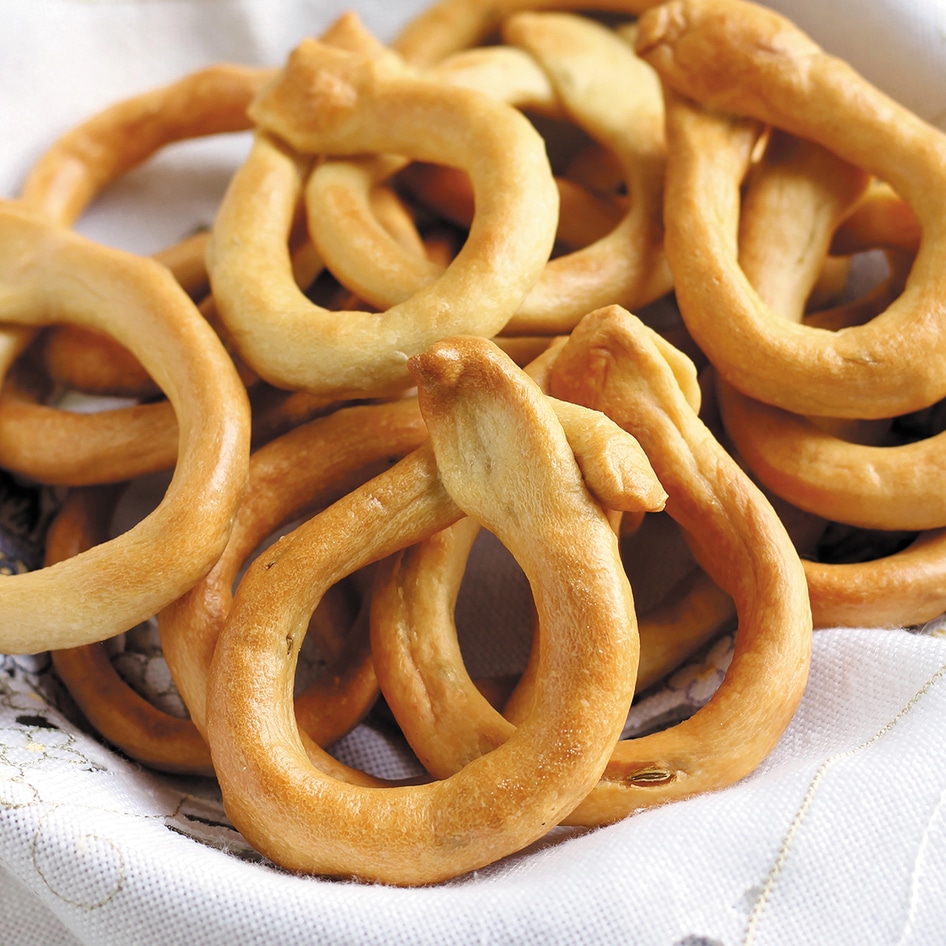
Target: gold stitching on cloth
point(795, 826)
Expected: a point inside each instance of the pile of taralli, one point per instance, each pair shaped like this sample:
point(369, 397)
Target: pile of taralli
point(411, 321)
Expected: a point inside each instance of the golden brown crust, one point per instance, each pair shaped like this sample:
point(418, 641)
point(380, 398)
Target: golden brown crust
point(738, 540)
point(49, 274)
point(745, 60)
point(900, 590)
point(118, 713)
point(483, 419)
point(365, 353)
point(83, 161)
point(299, 472)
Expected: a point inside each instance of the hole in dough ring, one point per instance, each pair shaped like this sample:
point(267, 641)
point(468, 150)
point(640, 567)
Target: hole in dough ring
point(744, 59)
point(49, 274)
point(489, 427)
point(368, 106)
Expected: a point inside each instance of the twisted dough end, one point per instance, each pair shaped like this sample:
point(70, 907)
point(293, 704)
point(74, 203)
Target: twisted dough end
point(700, 48)
point(317, 95)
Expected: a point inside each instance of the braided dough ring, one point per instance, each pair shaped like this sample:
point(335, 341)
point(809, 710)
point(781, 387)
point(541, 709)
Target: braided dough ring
point(114, 709)
point(329, 101)
point(489, 426)
point(745, 59)
point(49, 274)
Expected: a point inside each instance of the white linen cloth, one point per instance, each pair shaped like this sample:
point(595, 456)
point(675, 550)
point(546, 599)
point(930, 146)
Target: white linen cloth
point(839, 838)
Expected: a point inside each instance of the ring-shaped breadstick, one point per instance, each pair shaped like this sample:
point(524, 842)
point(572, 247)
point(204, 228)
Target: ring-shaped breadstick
point(306, 468)
point(792, 205)
point(860, 484)
point(448, 26)
point(48, 274)
point(442, 712)
point(794, 199)
point(903, 589)
point(75, 169)
point(493, 434)
point(116, 711)
point(745, 59)
point(611, 362)
point(354, 245)
point(93, 363)
point(365, 105)
point(73, 448)
point(61, 185)
point(626, 265)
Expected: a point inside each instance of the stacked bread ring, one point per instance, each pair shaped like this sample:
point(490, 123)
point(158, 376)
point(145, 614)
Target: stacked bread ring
point(457, 286)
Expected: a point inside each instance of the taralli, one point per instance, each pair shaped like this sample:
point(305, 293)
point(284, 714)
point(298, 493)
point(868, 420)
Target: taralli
point(900, 590)
point(488, 424)
point(611, 362)
point(448, 26)
point(93, 363)
point(74, 448)
point(747, 60)
point(625, 265)
point(80, 164)
point(795, 197)
point(789, 215)
point(118, 713)
point(305, 469)
point(441, 543)
point(444, 714)
point(861, 484)
point(366, 105)
point(128, 441)
point(107, 589)
point(76, 168)
point(358, 250)
point(66, 448)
